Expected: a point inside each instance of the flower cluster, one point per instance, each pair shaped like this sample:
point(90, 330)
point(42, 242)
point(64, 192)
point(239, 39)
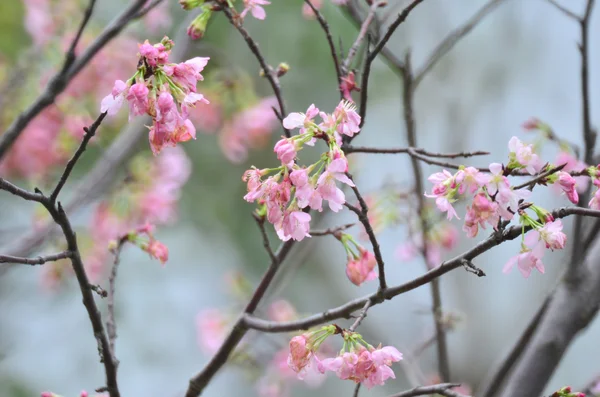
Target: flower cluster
point(441, 236)
point(292, 189)
point(357, 361)
point(165, 91)
point(494, 200)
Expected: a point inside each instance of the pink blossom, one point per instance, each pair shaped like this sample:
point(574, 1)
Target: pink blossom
point(155, 55)
point(296, 225)
point(530, 256)
point(187, 74)
point(157, 250)
point(573, 164)
point(361, 269)
point(326, 184)
point(524, 155)
point(551, 234)
point(348, 85)
point(301, 120)
point(347, 119)
point(339, 2)
point(481, 211)
point(211, 326)
point(286, 151)
point(343, 365)
point(137, 96)
point(444, 205)
point(472, 179)
point(299, 353)
point(254, 6)
point(595, 201)
point(568, 185)
point(38, 21)
point(112, 103)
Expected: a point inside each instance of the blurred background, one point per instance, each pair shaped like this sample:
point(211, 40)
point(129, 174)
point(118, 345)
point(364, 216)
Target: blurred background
point(520, 62)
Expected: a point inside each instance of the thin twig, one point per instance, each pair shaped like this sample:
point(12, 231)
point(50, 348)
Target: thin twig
point(361, 316)
point(454, 37)
point(362, 149)
point(17, 191)
point(60, 80)
point(565, 11)
point(392, 28)
point(89, 134)
point(356, 390)
point(362, 33)
point(364, 82)
point(239, 329)
point(260, 221)
point(334, 56)
point(70, 55)
point(40, 260)
point(540, 178)
point(445, 389)
point(147, 9)
point(331, 231)
point(364, 219)
point(268, 71)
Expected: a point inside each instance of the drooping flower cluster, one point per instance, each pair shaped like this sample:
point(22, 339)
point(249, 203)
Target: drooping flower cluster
point(495, 200)
point(292, 189)
point(357, 361)
point(165, 91)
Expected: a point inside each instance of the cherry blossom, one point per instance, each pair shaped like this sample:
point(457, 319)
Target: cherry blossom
point(523, 156)
point(326, 184)
point(255, 8)
point(530, 256)
point(361, 269)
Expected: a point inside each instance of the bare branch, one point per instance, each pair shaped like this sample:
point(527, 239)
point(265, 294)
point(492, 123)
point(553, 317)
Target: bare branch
point(362, 33)
point(361, 316)
point(361, 149)
point(89, 134)
point(268, 71)
point(40, 260)
point(331, 231)
point(260, 221)
point(445, 389)
point(356, 390)
point(392, 28)
point(454, 37)
point(564, 10)
point(17, 191)
point(59, 81)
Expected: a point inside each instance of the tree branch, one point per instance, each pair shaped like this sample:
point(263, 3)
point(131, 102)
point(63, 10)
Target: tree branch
point(111, 327)
point(40, 260)
point(59, 81)
point(89, 134)
point(362, 149)
point(362, 33)
point(445, 389)
point(348, 308)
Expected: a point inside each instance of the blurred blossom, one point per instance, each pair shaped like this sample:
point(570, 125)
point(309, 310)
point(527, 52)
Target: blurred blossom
point(282, 310)
point(211, 327)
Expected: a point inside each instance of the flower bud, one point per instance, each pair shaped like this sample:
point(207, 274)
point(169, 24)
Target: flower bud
point(282, 69)
point(197, 28)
